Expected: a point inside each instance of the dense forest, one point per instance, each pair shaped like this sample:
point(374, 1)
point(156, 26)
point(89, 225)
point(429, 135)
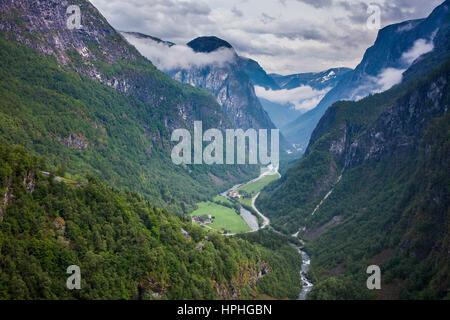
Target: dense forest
point(126, 248)
point(108, 154)
point(381, 164)
point(83, 127)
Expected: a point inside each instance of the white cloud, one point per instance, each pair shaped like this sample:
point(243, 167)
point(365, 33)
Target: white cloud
point(420, 47)
point(179, 56)
point(388, 78)
point(304, 98)
point(300, 38)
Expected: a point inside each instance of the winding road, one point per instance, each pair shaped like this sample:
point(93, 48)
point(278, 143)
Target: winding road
point(266, 221)
point(307, 285)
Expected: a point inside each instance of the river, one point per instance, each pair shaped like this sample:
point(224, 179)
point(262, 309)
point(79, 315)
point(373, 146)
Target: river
point(307, 285)
point(250, 219)
point(252, 222)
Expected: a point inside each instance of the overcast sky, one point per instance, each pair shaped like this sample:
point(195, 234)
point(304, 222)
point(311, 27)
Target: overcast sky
point(284, 36)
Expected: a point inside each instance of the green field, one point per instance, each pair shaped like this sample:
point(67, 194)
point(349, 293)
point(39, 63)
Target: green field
point(246, 201)
point(220, 199)
point(224, 217)
point(255, 187)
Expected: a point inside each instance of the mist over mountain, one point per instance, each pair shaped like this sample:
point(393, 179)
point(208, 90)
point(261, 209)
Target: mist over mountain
point(373, 185)
point(288, 97)
point(88, 180)
point(396, 49)
point(212, 64)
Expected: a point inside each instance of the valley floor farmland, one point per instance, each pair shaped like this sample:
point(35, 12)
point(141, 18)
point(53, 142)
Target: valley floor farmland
point(222, 214)
point(222, 217)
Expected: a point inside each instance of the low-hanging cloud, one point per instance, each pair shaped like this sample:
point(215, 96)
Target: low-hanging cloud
point(306, 35)
point(176, 57)
point(389, 77)
point(420, 47)
point(303, 98)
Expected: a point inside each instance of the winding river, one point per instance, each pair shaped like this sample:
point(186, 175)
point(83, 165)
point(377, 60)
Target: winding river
point(307, 285)
point(252, 222)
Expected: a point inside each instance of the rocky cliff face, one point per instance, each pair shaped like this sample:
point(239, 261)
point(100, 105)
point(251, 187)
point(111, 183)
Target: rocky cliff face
point(99, 52)
point(373, 180)
point(212, 64)
point(396, 50)
point(317, 80)
point(401, 127)
point(229, 83)
point(397, 131)
point(354, 135)
point(247, 277)
point(28, 184)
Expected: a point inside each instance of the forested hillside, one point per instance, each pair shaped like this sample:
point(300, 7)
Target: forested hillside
point(125, 247)
point(91, 103)
point(390, 52)
point(373, 188)
point(82, 127)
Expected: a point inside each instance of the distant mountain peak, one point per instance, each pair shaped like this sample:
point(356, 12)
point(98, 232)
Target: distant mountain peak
point(208, 44)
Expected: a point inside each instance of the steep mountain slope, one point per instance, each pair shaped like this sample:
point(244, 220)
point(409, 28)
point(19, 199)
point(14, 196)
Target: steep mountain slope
point(372, 186)
point(258, 75)
point(100, 107)
point(300, 89)
point(396, 48)
point(99, 52)
point(229, 83)
point(317, 80)
point(125, 248)
point(214, 66)
point(280, 114)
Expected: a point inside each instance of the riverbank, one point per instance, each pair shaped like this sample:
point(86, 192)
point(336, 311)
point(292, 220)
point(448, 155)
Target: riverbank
point(252, 221)
point(254, 185)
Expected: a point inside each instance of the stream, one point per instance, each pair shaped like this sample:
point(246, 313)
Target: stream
point(252, 222)
point(307, 285)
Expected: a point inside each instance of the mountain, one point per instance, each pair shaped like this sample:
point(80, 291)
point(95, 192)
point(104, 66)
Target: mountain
point(229, 83)
point(217, 68)
point(280, 114)
point(208, 44)
point(125, 248)
point(318, 80)
point(91, 103)
point(303, 89)
point(139, 35)
point(396, 49)
point(258, 75)
point(85, 127)
point(373, 189)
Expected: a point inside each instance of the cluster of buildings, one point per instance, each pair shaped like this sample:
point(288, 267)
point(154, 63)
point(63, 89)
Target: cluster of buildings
point(201, 220)
point(235, 195)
